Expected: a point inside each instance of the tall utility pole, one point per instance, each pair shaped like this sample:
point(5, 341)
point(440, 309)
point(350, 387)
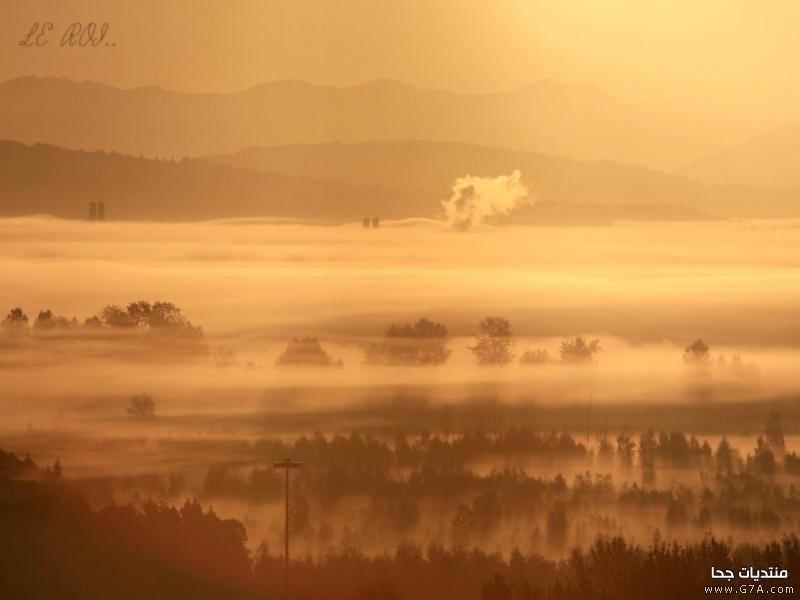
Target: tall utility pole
point(286, 464)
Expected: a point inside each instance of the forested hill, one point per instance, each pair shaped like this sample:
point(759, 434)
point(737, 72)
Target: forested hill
point(44, 179)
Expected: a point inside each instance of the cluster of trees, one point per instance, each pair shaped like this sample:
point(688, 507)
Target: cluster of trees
point(11, 466)
point(399, 473)
point(675, 450)
point(64, 548)
point(495, 345)
point(404, 479)
point(425, 343)
point(369, 458)
point(610, 569)
point(145, 326)
point(306, 352)
point(162, 328)
point(413, 344)
point(698, 354)
point(367, 452)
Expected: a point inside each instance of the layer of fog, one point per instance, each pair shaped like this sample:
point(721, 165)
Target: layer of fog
point(646, 291)
point(727, 282)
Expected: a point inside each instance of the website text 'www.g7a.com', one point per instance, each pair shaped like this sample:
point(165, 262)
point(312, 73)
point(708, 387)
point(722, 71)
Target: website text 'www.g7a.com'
point(749, 588)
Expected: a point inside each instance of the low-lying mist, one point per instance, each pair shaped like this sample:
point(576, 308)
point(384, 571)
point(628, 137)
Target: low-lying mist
point(732, 282)
point(300, 328)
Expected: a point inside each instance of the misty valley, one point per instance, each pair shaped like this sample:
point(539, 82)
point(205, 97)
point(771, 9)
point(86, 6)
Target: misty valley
point(479, 416)
point(452, 300)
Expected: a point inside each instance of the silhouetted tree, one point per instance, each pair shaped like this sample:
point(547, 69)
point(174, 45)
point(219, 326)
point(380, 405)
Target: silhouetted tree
point(94, 322)
point(117, 317)
point(535, 357)
point(306, 352)
point(773, 432)
point(47, 321)
point(557, 526)
point(578, 351)
point(697, 353)
point(763, 459)
point(494, 342)
point(16, 318)
point(15, 328)
point(142, 406)
point(724, 458)
point(605, 451)
point(12, 467)
point(159, 326)
point(625, 449)
point(421, 343)
point(647, 455)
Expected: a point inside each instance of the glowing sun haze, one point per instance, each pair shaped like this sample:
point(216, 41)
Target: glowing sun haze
point(710, 52)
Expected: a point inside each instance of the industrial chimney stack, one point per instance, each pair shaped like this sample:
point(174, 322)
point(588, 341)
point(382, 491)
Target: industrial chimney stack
point(373, 222)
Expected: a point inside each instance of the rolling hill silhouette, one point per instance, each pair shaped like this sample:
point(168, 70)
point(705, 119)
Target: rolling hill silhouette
point(770, 159)
point(44, 179)
point(575, 120)
point(431, 167)
point(336, 182)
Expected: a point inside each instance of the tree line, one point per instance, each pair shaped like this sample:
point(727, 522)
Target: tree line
point(62, 547)
point(140, 327)
point(161, 328)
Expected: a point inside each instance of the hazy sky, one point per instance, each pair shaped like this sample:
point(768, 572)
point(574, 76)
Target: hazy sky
point(718, 52)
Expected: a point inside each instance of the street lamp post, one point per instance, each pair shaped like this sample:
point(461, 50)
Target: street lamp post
point(286, 464)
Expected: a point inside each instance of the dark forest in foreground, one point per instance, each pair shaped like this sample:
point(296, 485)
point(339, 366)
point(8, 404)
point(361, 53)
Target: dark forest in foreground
point(63, 548)
point(66, 545)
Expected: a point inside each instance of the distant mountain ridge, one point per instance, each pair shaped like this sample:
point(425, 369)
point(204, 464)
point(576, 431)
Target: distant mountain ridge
point(573, 120)
point(770, 159)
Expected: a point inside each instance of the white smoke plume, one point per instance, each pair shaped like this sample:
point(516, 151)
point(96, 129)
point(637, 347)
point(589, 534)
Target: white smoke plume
point(475, 199)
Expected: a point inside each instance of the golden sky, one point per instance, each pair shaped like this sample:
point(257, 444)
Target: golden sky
point(710, 52)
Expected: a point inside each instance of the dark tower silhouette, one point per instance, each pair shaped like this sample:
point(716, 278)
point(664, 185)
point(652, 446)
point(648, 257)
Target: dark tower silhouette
point(92, 211)
point(376, 222)
point(101, 211)
point(366, 222)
